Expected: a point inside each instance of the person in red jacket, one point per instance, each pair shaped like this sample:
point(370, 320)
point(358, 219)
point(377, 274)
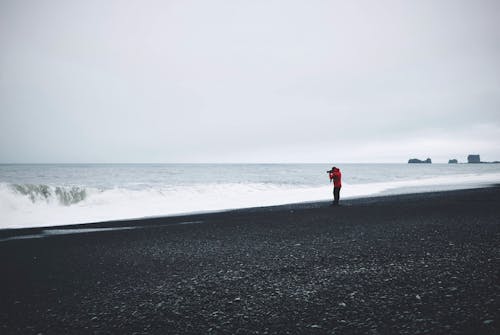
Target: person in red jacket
point(336, 177)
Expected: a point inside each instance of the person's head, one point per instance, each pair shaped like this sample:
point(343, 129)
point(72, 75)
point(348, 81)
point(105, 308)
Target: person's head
point(334, 168)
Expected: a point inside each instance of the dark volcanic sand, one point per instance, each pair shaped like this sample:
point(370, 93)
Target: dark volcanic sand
point(406, 264)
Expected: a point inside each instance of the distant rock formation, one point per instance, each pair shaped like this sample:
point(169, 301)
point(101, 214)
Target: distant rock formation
point(452, 161)
point(415, 160)
point(473, 159)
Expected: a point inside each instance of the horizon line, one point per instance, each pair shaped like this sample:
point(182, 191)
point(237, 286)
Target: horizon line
point(209, 163)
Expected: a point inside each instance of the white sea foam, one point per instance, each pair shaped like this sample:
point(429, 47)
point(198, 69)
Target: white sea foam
point(32, 205)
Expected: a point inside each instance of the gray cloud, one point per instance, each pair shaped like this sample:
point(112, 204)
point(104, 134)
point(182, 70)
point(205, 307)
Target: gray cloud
point(196, 81)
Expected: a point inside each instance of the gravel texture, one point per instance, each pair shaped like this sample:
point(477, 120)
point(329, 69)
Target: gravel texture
point(410, 264)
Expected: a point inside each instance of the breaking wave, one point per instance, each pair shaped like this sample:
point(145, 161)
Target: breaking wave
point(64, 195)
point(39, 205)
point(27, 205)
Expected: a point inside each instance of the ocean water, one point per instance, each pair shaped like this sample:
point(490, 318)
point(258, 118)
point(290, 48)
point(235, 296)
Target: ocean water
point(62, 194)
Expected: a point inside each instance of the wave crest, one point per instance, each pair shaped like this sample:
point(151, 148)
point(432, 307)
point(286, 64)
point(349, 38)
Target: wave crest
point(63, 195)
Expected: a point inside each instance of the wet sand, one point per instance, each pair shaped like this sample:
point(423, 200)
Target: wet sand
point(408, 264)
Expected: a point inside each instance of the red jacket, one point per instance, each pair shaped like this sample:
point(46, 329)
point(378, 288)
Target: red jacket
point(336, 175)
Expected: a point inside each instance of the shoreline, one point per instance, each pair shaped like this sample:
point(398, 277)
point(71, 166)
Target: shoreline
point(396, 264)
point(140, 221)
point(59, 200)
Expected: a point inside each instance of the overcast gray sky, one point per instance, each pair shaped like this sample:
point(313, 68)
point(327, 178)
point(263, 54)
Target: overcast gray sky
point(249, 81)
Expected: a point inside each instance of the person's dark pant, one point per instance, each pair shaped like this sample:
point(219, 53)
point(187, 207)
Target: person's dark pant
point(336, 195)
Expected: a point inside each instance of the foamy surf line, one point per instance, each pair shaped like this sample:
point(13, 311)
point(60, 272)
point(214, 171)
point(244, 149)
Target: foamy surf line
point(31, 206)
point(69, 231)
point(52, 232)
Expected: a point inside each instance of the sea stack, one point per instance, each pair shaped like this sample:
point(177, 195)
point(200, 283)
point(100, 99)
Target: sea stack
point(417, 161)
point(473, 159)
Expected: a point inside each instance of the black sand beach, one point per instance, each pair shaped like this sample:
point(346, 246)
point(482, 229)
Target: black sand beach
point(409, 264)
